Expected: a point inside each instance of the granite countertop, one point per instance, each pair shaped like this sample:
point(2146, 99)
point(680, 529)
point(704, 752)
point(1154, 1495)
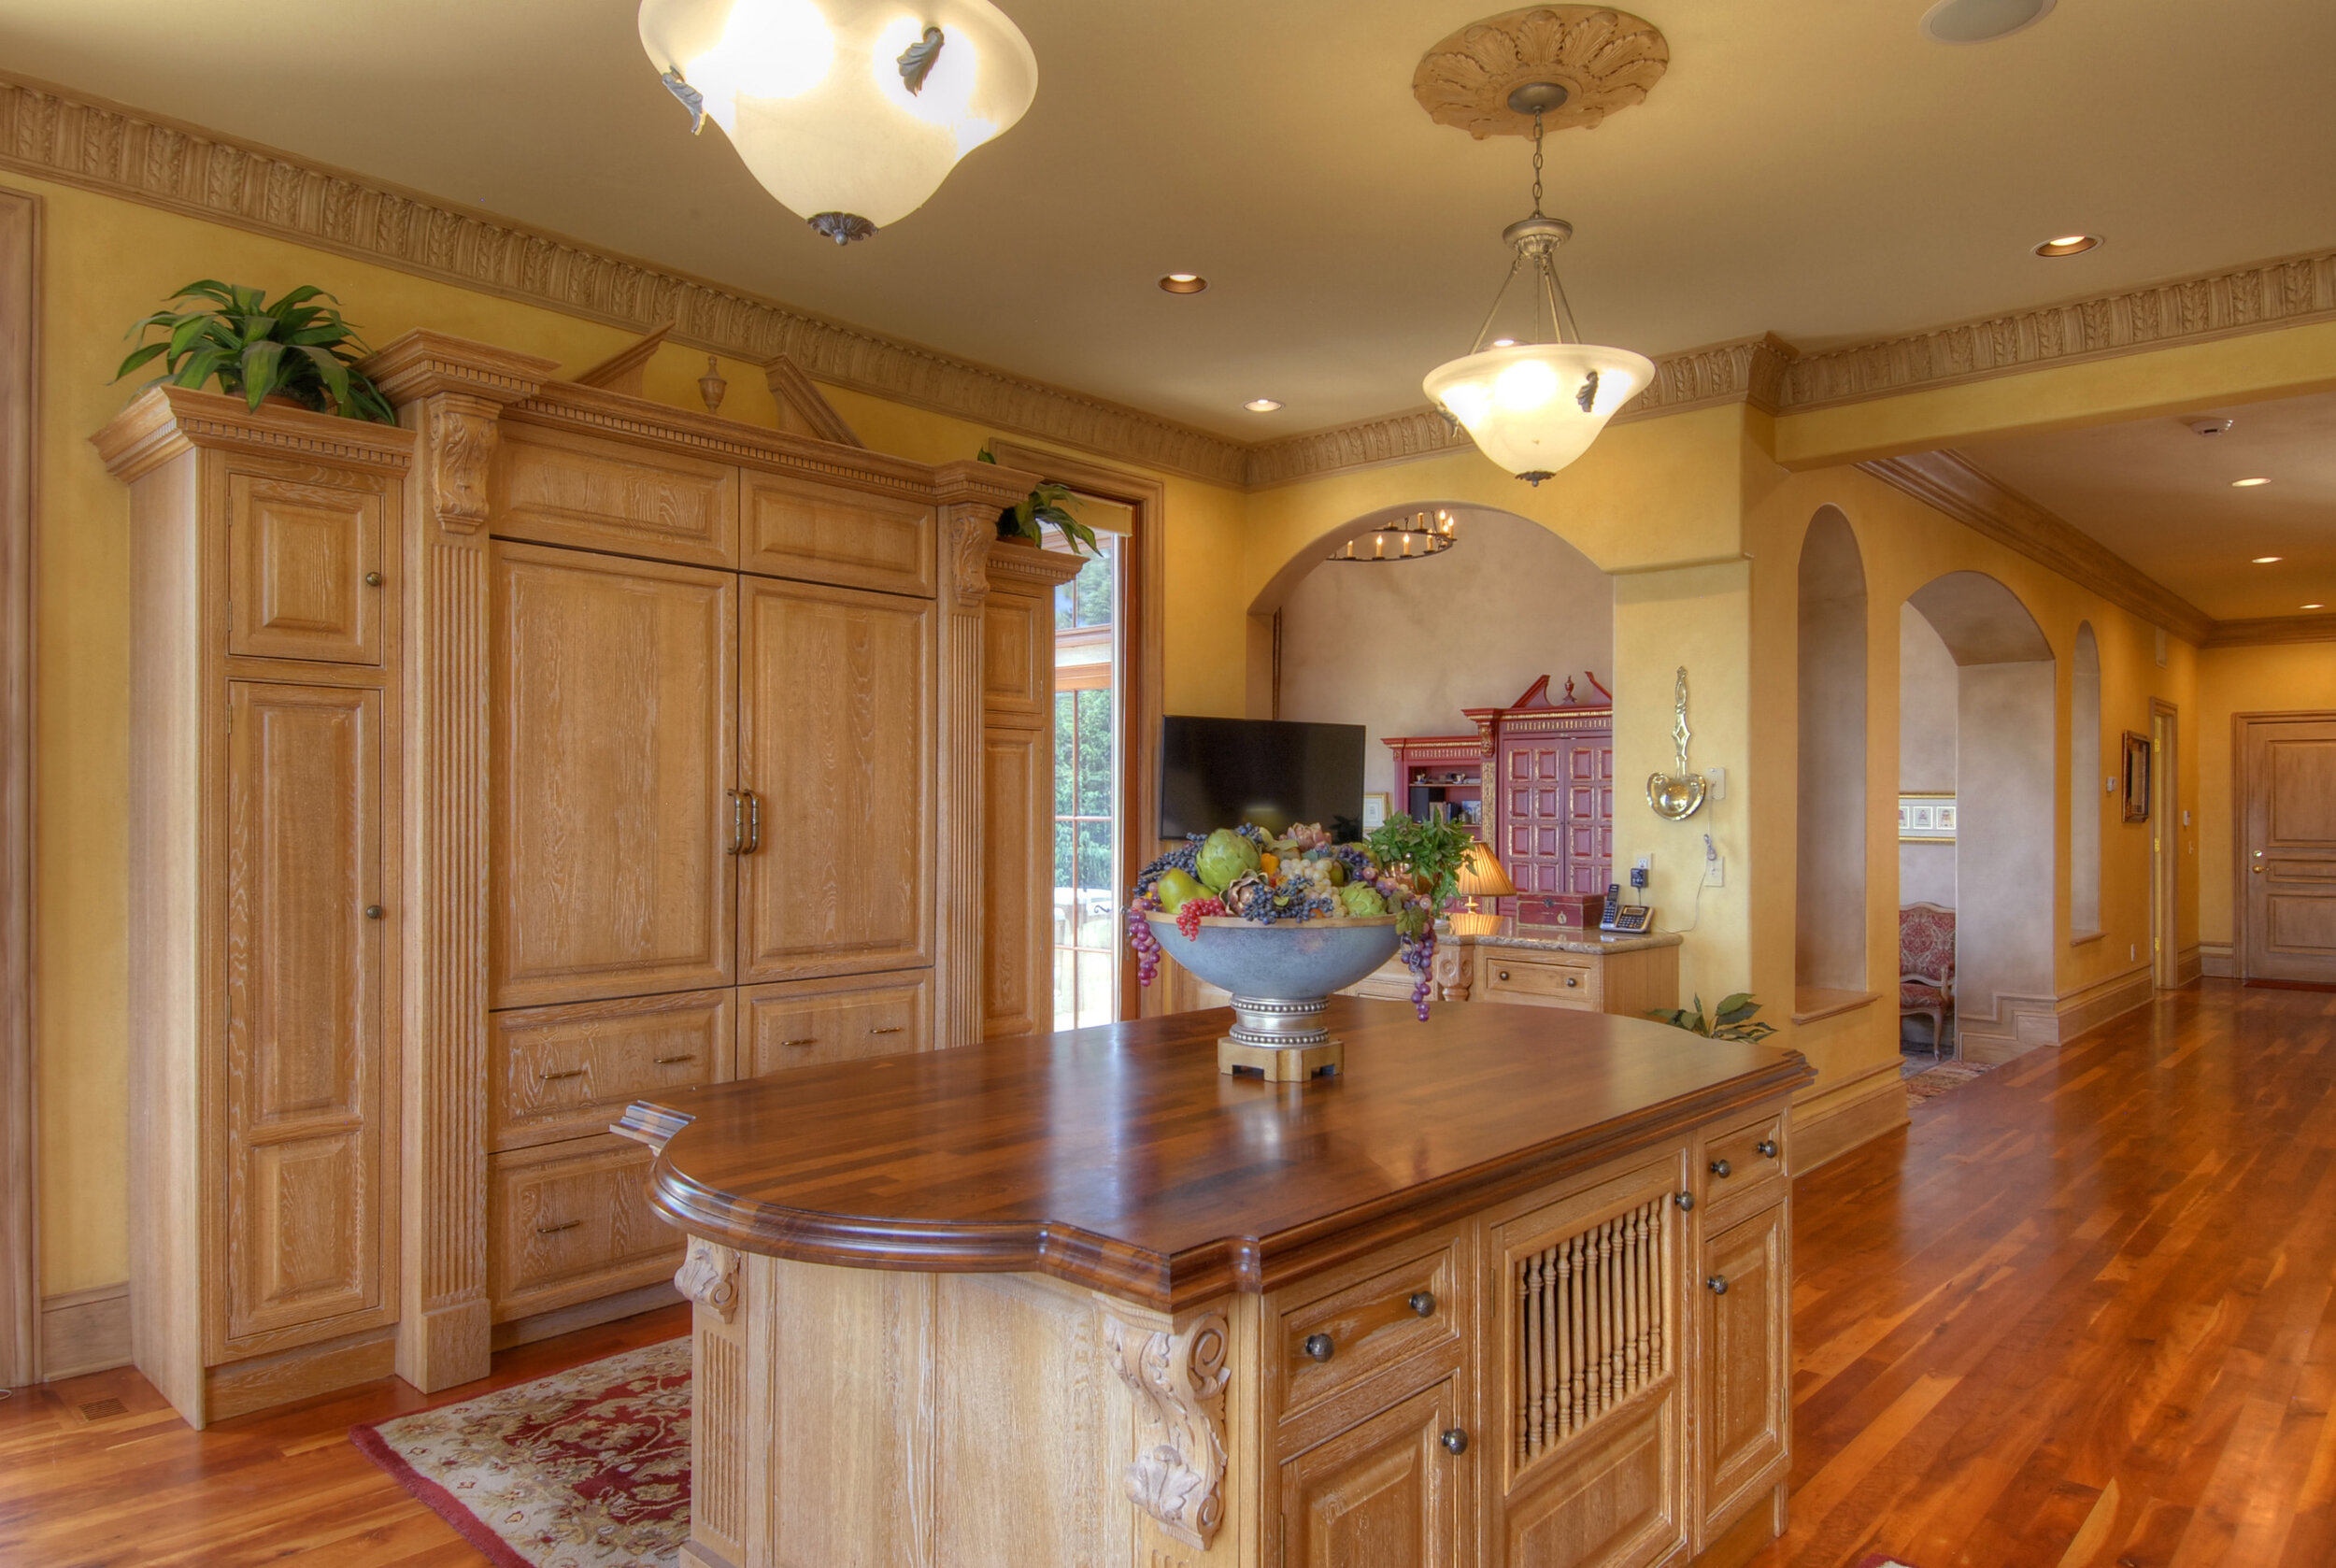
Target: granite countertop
point(1546, 939)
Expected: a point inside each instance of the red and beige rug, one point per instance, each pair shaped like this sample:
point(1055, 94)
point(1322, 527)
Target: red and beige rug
point(1932, 1082)
point(588, 1468)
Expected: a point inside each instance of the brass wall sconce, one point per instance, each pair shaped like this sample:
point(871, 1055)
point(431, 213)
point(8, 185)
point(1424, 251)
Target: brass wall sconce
point(1677, 795)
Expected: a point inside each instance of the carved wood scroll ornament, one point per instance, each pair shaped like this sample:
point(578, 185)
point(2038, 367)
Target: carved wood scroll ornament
point(709, 1276)
point(1181, 1379)
point(971, 533)
point(1605, 59)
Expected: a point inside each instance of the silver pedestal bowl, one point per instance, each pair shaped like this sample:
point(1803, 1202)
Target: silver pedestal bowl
point(1280, 977)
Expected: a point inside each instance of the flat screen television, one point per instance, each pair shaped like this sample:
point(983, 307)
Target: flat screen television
point(1219, 772)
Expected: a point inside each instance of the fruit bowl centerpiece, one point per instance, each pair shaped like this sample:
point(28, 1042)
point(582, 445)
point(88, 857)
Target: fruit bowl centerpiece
point(1280, 922)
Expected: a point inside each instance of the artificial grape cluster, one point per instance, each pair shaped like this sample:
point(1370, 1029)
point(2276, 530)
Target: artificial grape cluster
point(1140, 937)
point(1419, 958)
point(1186, 859)
point(1190, 914)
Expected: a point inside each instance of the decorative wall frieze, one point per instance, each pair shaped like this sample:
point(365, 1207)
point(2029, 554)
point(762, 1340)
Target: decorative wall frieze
point(708, 1275)
point(1949, 482)
point(1180, 1377)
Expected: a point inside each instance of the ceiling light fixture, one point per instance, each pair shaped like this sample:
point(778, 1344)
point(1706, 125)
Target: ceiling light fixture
point(1262, 405)
point(1183, 284)
point(2315, 607)
point(1980, 22)
point(2267, 559)
point(1534, 406)
point(1415, 540)
point(2068, 245)
point(851, 112)
point(2248, 484)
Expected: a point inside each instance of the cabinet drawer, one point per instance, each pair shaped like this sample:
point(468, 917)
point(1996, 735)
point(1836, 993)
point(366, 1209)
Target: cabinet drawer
point(558, 488)
point(1543, 982)
point(796, 1023)
point(571, 1222)
point(305, 575)
point(1381, 1310)
point(825, 534)
point(569, 1071)
point(1390, 981)
point(1746, 1162)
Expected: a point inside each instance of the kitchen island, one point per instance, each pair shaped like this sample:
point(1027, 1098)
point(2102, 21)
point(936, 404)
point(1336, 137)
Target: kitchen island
point(1511, 1289)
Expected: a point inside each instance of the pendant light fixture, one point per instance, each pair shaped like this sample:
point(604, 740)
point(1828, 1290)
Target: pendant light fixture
point(851, 112)
point(1413, 539)
point(1533, 405)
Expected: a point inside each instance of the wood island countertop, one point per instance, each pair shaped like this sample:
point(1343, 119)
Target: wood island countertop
point(1118, 1156)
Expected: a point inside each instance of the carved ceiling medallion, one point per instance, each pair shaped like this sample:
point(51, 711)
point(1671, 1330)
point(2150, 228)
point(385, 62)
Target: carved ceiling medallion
point(1605, 59)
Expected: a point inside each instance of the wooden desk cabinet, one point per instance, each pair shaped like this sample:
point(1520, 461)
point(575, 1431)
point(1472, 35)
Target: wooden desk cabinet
point(1630, 977)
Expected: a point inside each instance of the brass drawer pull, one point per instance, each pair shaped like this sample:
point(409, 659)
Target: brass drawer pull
point(738, 823)
point(1573, 980)
point(1716, 1284)
point(675, 1061)
point(555, 1230)
point(1455, 1441)
point(806, 1040)
point(1318, 1346)
point(1686, 1201)
point(891, 1029)
point(1422, 1304)
point(1505, 974)
point(374, 911)
point(1722, 1169)
point(571, 1072)
point(1767, 1147)
point(373, 579)
point(754, 823)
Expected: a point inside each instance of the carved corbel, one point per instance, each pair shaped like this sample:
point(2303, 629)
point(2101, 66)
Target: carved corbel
point(970, 532)
point(709, 1276)
point(1179, 1376)
point(462, 446)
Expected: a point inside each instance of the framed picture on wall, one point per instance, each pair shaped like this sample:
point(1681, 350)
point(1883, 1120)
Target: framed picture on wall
point(2136, 777)
point(1926, 818)
point(1374, 810)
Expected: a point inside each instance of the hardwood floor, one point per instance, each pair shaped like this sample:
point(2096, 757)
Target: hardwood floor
point(2082, 1314)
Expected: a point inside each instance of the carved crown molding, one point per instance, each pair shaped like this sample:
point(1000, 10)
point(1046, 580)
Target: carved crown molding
point(1605, 59)
point(1949, 482)
point(162, 421)
point(2269, 629)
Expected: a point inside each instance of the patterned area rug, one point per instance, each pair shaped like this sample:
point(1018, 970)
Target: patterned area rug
point(588, 1468)
point(1932, 1082)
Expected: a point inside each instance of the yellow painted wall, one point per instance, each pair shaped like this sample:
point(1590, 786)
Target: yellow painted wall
point(105, 264)
point(2234, 681)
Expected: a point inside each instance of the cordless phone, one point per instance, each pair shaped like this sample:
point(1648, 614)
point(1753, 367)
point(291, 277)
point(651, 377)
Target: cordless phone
point(1614, 906)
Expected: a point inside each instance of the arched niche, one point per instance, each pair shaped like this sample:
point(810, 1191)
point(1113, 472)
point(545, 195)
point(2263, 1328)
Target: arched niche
point(1830, 935)
point(2084, 785)
point(2004, 782)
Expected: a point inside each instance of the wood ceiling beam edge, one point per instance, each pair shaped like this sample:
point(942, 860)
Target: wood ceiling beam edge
point(56, 133)
point(1951, 483)
point(2270, 629)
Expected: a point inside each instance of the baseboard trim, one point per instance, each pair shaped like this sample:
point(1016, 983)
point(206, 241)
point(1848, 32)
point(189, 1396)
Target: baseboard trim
point(84, 1331)
point(2021, 1024)
point(2097, 1004)
point(2188, 965)
point(1838, 1117)
point(2215, 959)
point(586, 1315)
point(239, 1388)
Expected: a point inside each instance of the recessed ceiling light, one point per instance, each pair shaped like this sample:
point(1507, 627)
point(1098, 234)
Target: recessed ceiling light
point(2315, 607)
point(1262, 405)
point(2068, 245)
point(1979, 22)
point(2267, 559)
point(1184, 283)
point(2247, 484)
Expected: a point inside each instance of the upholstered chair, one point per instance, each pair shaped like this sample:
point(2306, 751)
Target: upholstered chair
point(1926, 969)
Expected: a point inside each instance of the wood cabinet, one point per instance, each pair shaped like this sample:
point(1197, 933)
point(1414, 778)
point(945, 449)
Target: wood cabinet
point(1627, 976)
point(264, 958)
point(1387, 1492)
point(683, 723)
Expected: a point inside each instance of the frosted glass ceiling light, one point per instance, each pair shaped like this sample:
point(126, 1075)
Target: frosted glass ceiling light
point(851, 112)
point(1534, 406)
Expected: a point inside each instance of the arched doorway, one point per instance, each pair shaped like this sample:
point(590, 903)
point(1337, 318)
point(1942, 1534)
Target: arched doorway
point(1984, 711)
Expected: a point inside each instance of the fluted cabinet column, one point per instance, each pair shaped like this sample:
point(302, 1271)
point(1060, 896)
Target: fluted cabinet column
point(452, 393)
point(957, 1008)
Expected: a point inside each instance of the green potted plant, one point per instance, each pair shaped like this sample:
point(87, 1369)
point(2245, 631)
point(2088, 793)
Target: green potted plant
point(294, 350)
point(1732, 1020)
point(1049, 503)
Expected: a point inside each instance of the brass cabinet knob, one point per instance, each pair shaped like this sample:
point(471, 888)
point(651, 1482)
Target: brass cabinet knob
point(1318, 1346)
point(1573, 980)
point(2256, 869)
point(1505, 974)
point(1722, 1169)
point(1767, 1147)
point(1455, 1441)
point(1686, 1201)
point(373, 579)
point(1422, 1304)
point(1716, 1284)
point(374, 911)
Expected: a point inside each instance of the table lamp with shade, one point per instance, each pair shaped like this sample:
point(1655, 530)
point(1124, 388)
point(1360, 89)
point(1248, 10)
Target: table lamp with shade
point(1480, 877)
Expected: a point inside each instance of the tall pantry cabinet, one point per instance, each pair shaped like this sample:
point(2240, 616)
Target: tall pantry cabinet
point(554, 748)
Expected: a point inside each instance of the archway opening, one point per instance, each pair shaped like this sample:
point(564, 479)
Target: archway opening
point(1829, 886)
point(1991, 724)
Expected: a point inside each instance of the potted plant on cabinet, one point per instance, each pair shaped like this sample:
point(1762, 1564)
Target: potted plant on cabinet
point(294, 350)
point(1049, 503)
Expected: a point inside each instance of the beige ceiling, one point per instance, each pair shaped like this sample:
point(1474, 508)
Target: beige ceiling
point(2159, 495)
point(1810, 168)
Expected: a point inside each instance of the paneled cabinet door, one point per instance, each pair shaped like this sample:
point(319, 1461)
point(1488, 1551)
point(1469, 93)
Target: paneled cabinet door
point(1384, 1493)
point(1746, 1346)
point(304, 566)
point(614, 729)
point(837, 772)
point(306, 1005)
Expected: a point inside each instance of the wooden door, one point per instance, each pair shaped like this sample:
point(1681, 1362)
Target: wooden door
point(307, 1010)
point(1747, 1349)
point(1590, 813)
point(1384, 1493)
point(614, 732)
point(833, 726)
point(1532, 814)
point(304, 566)
point(2287, 846)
